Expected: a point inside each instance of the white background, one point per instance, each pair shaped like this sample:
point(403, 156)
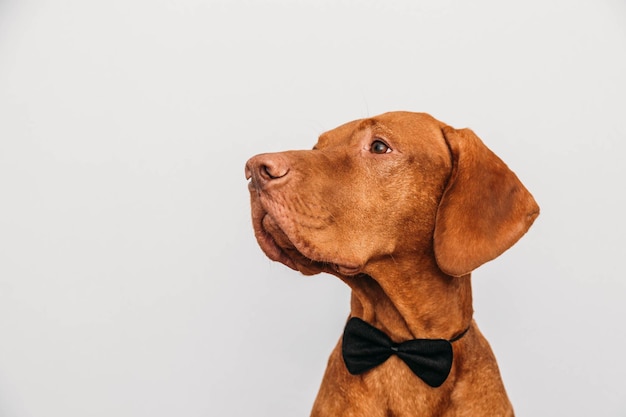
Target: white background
point(130, 281)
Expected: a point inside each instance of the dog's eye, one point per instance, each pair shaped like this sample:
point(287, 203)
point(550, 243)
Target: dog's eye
point(380, 147)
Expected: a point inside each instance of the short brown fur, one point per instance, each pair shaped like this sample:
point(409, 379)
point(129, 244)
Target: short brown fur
point(404, 229)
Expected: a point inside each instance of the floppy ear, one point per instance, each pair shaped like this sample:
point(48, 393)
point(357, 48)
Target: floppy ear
point(484, 210)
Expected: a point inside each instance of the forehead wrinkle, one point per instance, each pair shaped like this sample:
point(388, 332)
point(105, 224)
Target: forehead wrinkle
point(343, 131)
point(341, 134)
point(377, 127)
point(353, 131)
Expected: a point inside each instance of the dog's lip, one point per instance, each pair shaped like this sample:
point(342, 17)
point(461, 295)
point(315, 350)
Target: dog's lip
point(276, 243)
point(272, 249)
point(347, 269)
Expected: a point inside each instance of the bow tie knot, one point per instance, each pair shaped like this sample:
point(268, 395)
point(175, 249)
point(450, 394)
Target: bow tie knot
point(365, 347)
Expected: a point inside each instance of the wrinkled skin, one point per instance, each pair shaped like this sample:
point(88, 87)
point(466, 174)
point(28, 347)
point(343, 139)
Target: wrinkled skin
point(402, 208)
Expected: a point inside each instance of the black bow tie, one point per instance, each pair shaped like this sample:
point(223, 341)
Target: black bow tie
point(365, 347)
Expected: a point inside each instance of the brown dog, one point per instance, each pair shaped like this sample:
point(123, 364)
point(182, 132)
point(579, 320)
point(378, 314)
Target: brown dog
point(402, 208)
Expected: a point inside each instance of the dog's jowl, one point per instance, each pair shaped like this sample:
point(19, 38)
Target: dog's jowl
point(402, 208)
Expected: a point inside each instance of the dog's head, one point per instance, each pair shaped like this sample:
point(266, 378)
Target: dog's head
point(393, 186)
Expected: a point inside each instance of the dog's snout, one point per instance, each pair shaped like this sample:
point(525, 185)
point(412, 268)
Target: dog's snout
point(266, 168)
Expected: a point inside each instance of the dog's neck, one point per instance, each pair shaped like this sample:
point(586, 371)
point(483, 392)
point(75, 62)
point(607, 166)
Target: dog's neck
point(408, 303)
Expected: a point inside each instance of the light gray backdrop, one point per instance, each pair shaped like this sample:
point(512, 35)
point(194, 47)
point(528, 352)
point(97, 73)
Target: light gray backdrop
point(130, 282)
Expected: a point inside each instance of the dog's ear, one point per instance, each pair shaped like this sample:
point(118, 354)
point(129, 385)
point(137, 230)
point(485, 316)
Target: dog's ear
point(484, 210)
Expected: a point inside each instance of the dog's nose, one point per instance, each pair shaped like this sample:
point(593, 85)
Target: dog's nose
point(265, 168)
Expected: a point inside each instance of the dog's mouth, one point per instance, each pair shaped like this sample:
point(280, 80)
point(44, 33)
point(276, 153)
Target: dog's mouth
point(294, 253)
point(275, 243)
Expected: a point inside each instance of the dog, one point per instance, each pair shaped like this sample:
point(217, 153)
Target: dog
point(402, 208)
